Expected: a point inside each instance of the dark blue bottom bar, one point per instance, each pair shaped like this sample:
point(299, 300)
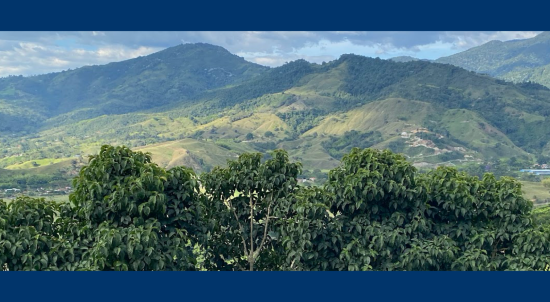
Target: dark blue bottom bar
point(275, 286)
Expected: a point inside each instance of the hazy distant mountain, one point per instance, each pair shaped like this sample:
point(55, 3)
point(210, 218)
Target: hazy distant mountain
point(197, 105)
point(516, 60)
point(404, 59)
point(175, 74)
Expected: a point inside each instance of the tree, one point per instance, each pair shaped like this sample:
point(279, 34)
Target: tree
point(269, 134)
point(143, 216)
point(375, 212)
point(546, 182)
point(31, 238)
point(249, 136)
point(376, 209)
point(385, 216)
point(247, 201)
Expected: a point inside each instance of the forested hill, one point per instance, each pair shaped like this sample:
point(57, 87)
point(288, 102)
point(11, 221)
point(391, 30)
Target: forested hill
point(198, 105)
point(354, 84)
point(175, 74)
point(516, 60)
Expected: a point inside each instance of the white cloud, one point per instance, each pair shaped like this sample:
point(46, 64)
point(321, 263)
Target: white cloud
point(31, 59)
point(464, 40)
point(31, 53)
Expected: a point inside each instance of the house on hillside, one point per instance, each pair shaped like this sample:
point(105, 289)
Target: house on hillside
point(420, 130)
point(536, 171)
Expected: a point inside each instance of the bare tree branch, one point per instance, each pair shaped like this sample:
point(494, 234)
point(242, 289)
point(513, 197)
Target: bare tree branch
point(266, 223)
point(240, 226)
point(251, 255)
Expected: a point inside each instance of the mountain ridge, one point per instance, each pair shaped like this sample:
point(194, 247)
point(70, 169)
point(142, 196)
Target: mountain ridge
point(316, 111)
point(174, 74)
point(515, 60)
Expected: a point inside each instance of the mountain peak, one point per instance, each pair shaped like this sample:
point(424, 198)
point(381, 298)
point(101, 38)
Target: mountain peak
point(195, 48)
point(403, 59)
point(545, 35)
point(513, 60)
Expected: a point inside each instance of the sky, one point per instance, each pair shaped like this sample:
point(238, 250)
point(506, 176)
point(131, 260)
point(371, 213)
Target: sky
point(32, 53)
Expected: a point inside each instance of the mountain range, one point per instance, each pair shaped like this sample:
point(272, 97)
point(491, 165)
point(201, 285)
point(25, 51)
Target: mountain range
point(516, 60)
point(198, 105)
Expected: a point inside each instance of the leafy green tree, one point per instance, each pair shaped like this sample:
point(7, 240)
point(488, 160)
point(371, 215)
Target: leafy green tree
point(385, 216)
point(376, 206)
point(483, 217)
point(305, 233)
point(247, 201)
point(375, 212)
point(143, 217)
point(249, 136)
point(33, 238)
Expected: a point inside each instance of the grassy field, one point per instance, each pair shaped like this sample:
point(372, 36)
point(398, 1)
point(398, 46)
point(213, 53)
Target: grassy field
point(535, 190)
point(39, 163)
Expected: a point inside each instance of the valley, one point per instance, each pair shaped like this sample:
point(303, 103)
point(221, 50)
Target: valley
point(434, 114)
point(193, 158)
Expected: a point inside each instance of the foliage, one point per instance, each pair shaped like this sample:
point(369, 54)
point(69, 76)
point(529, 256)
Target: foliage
point(375, 212)
point(303, 120)
point(33, 238)
point(143, 215)
point(171, 94)
point(338, 146)
point(247, 202)
point(541, 215)
point(386, 217)
point(516, 60)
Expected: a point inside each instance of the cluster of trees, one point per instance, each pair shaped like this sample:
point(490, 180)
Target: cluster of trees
point(24, 181)
point(502, 167)
point(272, 81)
point(375, 212)
point(303, 120)
point(338, 146)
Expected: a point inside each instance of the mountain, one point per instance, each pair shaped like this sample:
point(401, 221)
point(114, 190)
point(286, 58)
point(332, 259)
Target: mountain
point(404, 59)
point(208, 106)
point(517, 60)
point(173, 75)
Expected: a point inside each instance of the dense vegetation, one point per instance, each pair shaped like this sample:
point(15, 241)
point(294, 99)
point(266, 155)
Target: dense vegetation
point(516, 60)
point(175, 74)
point(376, 212)
point(198, 105)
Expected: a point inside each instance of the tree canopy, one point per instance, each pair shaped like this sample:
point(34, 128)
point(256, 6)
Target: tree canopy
point(375, 212)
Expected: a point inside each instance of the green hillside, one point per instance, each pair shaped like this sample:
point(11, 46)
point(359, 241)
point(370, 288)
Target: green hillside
point(516, 60)
point(172, 75)
point(433, 113)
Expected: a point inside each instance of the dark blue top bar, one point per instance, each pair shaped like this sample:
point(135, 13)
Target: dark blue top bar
point(274, 15)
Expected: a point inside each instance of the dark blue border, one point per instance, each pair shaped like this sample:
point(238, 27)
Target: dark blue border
point(274, 15)
point(275, 286)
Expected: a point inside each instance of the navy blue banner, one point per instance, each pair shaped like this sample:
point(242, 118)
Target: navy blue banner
point(273, 15)
point(275, 286)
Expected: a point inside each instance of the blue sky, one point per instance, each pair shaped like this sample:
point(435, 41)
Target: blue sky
point(31, 53)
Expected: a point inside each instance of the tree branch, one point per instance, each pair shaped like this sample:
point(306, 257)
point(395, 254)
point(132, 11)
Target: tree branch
point(251, 255)
point(240, 226)
point(266, 223)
